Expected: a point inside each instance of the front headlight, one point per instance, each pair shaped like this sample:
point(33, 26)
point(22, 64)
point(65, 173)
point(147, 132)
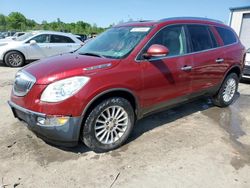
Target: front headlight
point(63, 89)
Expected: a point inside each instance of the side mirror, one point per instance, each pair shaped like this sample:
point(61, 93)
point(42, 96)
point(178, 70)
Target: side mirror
point(156, 50)
point(32, 42)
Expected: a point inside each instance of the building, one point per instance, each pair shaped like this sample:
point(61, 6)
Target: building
point(240, 22)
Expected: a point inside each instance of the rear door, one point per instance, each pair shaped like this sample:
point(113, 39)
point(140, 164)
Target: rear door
point(208, 64)
point(231, 53)
point(165, 78)
point(62, 44)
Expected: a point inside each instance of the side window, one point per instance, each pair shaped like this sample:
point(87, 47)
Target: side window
point(173, 37)
point(226, 35)
point(60, 39)
point(214, 41)
point(44, 38)
point(200, 37)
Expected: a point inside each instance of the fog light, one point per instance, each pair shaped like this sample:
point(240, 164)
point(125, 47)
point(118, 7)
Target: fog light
point(41, 120)
point(52, 120)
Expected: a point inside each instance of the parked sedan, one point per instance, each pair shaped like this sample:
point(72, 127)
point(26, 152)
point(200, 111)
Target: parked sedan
point(16, 35)
point(2, 35)
point(36, 45)
point(10, 38)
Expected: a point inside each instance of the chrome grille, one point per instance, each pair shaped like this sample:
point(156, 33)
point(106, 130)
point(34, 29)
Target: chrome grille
point(23, 83)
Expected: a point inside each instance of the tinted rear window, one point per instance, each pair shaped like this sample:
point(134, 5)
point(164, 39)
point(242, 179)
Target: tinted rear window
point(227, 35)
point(60, 39)
point(200, 37)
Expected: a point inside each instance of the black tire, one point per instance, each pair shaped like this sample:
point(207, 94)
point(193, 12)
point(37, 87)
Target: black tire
point(89, 133)
point(218, 99)
point(14, 59)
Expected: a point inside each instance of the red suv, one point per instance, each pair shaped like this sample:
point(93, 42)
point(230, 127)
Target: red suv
point(97, 93)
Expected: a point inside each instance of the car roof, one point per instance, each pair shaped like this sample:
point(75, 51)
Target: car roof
point(52, 33)
point(172, 20)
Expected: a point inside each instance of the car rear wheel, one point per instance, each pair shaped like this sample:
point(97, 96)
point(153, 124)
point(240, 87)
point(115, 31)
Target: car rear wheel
point(14, 59)
point(227, 92)
point(108, 125)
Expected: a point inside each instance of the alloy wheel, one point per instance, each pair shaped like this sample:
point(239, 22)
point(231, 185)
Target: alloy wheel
point(229, 90)
point(111, 124)
point(15, 60)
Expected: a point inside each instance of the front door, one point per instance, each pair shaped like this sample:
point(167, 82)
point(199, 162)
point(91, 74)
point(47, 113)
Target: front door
point(40, 49)
point(167, 79)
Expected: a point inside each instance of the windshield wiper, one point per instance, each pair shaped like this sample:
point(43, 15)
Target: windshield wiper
point(92, 54)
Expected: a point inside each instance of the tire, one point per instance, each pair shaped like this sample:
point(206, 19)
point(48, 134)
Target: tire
point(14, 59)
point(96, 125)
point(227, 92)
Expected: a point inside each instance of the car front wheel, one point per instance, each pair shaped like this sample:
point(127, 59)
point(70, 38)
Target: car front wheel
point(227, 92)
point(14, 59)
point(108, 125)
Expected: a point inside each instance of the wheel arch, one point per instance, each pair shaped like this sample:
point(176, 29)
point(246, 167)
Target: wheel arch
point(234, 69)
point(118, 92)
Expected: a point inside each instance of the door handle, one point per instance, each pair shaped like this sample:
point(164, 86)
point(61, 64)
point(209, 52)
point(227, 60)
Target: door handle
point(186, 68)
point(219, 60)
point(48, 47)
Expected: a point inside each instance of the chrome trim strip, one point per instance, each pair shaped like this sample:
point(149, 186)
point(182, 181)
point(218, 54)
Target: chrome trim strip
point(30, 75)
point(97, 67)
point(191, 53)
point(31, 78)
point(15, 106)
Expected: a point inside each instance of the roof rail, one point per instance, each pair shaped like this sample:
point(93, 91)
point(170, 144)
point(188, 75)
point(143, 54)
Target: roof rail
point(190, 18)
point(135, 21)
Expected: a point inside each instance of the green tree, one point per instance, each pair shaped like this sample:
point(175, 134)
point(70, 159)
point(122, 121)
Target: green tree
point(30, 24)
point(2, 22)
point(16, 21)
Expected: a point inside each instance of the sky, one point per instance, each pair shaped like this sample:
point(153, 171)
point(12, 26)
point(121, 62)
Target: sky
point(106, 12)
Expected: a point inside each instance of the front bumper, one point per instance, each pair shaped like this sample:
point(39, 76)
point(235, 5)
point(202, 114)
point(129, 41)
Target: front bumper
point(64, 135)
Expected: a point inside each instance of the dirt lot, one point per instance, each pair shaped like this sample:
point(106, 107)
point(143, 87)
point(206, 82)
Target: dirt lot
point(194, 145)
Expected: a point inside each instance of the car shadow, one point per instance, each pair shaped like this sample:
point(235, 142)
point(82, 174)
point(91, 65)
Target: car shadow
point(2, 65)
point(164, 70)
point(156, 120)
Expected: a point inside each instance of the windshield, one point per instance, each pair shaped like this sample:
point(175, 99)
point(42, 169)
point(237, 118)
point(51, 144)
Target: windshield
point(25, 36)
point(116, 42)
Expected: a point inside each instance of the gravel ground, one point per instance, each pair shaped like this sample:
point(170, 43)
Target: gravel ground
point(193, 145)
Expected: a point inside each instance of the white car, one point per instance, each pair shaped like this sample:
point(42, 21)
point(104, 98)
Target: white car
point(10, 38)
point(246, 71)
point(36, 45)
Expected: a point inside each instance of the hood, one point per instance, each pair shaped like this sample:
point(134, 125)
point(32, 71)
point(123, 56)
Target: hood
point(4, 42)
point(8, 39)
point(63, 66)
